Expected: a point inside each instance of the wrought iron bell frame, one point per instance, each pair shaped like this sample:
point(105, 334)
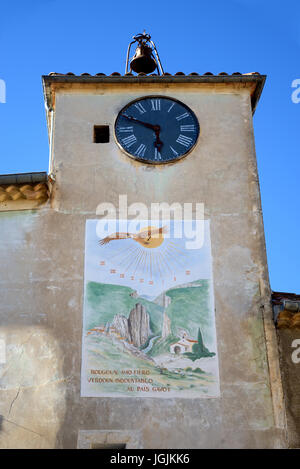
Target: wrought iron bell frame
point(142, 40)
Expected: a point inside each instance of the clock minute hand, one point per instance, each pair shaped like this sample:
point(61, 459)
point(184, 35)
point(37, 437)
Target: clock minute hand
point(158, 143)
point(156, 128)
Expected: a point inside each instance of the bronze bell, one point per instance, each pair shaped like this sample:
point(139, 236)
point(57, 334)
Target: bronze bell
point(143, 60)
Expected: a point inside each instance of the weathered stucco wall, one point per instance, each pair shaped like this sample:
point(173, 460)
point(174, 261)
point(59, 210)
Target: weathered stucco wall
point(42, 256)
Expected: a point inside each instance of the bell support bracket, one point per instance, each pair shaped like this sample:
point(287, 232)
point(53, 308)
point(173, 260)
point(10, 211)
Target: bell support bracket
point(142, 40)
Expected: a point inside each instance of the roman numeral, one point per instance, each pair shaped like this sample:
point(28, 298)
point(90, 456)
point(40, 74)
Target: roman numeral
point(125, 129)
point(183, 140)
point(140, 108)
point(182, 116)
point(128, 141)
point(187, 128)
point(155, 104)
point(174, 151)
point(140, 151)
point(172, 105)
point(157, 155)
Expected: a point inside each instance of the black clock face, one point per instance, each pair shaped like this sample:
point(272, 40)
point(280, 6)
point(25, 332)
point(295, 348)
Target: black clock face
point(156, 129)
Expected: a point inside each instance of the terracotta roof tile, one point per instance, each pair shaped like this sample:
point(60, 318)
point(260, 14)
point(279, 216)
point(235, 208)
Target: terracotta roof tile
point(279, 297)
point(25, 191)
point(288, 320)
point(154, 74)
point(286, 307)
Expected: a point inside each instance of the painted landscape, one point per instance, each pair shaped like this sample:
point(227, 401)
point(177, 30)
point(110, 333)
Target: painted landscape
point(143, 347)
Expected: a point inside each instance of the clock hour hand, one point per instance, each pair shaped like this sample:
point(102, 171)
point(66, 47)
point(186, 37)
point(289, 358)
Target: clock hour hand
point(156, 128)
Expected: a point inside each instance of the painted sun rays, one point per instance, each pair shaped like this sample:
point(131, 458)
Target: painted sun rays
point(135, 260)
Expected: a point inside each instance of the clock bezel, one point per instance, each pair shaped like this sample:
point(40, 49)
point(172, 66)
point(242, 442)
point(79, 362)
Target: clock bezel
point(151, 162)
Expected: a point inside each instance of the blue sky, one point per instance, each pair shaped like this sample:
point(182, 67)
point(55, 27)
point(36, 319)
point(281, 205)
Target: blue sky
point(42, 36)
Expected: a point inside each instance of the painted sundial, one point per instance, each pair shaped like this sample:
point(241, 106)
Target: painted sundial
point(149, 326)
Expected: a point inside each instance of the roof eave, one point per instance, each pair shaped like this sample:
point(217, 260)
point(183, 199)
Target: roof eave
point(247, 78)
point(23, 178)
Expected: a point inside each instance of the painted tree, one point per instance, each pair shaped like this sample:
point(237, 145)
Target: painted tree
point(199, 350)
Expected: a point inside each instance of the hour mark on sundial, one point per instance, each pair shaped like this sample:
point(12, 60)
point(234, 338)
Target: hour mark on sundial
point(155, 104)
point(182, 116)
point(140, 151)
point(126, 129)
point(184, 140)
point(188, 128)
point(140, 107)
point(128, 141)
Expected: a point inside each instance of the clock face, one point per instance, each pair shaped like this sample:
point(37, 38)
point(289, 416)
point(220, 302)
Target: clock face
point(156, 129)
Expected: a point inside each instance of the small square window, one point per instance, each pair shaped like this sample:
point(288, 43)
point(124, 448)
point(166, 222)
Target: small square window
point(101, 133)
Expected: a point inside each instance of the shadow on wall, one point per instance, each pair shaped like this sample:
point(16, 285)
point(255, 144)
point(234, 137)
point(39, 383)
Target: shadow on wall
point(41, 320)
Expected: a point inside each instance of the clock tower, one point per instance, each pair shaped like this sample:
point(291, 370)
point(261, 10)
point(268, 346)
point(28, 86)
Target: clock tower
point(151, 323)
point(184, 139)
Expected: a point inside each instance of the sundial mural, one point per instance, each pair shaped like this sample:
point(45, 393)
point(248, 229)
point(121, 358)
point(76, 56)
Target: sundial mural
point(148, 320)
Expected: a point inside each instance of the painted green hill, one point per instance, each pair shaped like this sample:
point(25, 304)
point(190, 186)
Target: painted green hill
point(103, 301)
point(190, 309)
